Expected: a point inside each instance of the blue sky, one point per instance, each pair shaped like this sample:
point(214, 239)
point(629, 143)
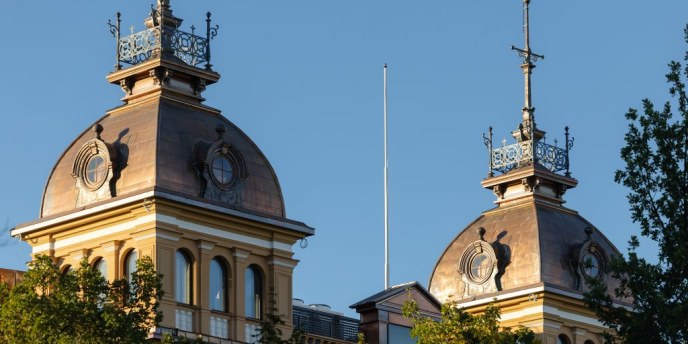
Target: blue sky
point(304, 80)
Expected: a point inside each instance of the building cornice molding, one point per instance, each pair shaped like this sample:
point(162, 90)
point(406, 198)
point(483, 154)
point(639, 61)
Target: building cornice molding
point(28, 228)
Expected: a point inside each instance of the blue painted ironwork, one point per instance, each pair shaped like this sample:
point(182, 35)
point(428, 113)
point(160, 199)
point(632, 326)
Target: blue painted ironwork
point(508, 157)
point(162, 40)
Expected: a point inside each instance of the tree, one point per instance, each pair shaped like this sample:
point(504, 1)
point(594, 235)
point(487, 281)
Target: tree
point(80, 306)
point(270, 333)
point(656, 173)
point(456, 326)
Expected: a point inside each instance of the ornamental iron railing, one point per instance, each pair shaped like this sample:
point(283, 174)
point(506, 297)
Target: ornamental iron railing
point(163, 40)
point(508, 157)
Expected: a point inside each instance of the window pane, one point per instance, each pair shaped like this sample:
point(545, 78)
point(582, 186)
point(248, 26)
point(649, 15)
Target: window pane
point(182, 277)
point(101, 267)
point(399, 335)
point(130, 264)
point(218, 286)
point(253, 290)
point(563, 339)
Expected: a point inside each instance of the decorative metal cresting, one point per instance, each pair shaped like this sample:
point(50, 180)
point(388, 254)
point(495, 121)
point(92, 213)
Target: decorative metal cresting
point(163, 38)
point(530, 147)
point(508, 157)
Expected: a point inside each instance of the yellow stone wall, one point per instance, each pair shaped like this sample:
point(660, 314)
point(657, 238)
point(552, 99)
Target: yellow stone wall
point(158, 228)
point(548, 314)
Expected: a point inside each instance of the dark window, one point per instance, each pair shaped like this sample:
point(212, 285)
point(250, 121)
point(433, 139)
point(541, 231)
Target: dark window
point(182, 277)
point(563, 339)
point(223, 170)
point(253, 290)
point(399, 335)
point(130, 264)
point(218, 285)
point(591, 265)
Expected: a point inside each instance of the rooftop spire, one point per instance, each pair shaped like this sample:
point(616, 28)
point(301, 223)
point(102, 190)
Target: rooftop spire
point(529, 57)
point(530, 148)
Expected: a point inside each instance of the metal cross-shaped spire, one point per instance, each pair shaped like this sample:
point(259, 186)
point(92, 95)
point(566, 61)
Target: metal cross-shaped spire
point(529, 58)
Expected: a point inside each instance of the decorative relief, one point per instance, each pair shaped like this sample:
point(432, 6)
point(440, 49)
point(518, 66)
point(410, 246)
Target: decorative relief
point(220, 169)
point(199, 87)
point(479, 267)
point(531, 183)
point(499, 190)
point(94, 167)
point(126, 85)
point(161, 76)
point(589, 261)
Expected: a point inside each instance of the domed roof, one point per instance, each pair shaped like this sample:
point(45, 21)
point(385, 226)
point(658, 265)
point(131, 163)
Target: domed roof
point(163, 139)
point(529, 240)
point(156, 147)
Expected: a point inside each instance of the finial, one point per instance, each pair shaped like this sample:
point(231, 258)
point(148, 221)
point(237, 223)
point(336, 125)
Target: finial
point(528, 64)
point(487, 140)
point(115, 30)
point(481, 231)
point(98, 129)
point(220, 129)
point(588, 232)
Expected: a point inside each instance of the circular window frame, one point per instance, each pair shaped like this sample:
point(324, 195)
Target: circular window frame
point(102, 169)
point(93, 149)
point(593, 252)
point(470, 254)
point(233, 169)
point(485, 264)
point(232, 163)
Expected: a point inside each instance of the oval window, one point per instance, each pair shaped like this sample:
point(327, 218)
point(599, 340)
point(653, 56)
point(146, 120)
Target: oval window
point(481, 267)
point(223, 171)
point(591, 265)
point(96, 171)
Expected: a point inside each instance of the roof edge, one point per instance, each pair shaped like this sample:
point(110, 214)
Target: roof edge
point(29, 227)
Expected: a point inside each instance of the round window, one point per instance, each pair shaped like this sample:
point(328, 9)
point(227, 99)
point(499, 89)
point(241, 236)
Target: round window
point(96, 171)
point(223, 171)
point(591, 265)
point(481, 267)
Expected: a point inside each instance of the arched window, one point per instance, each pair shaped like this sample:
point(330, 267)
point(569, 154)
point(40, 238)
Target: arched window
point(130, 264)
point(589, 342)
point(67, 269)
point(253, 290)
point(182, 277)
point(218, 285)
point(563, 339)
point(101, 266)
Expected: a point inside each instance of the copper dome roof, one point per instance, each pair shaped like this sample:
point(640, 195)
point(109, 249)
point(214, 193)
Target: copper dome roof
point(155, 142)
point(533, 241)
point(163, 139)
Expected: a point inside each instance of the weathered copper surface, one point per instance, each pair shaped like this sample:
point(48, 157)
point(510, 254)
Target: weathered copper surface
point(539, 240)
point(155, 139)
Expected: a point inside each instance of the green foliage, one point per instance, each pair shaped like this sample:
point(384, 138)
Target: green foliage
point(458, 327)
point(270, 333)
point(168, 339)
point(79, 306)
point(656, 173)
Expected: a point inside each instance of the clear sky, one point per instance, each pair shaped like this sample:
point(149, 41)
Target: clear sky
point(303, 79)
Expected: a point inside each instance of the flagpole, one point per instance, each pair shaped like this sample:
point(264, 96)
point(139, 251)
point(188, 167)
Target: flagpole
point(386, 176)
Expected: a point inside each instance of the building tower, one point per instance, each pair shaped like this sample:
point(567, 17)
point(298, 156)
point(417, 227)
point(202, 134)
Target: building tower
point(165, 176)
point(530, 253)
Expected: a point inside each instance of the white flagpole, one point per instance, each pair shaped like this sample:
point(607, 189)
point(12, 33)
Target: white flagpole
point(386, 197)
